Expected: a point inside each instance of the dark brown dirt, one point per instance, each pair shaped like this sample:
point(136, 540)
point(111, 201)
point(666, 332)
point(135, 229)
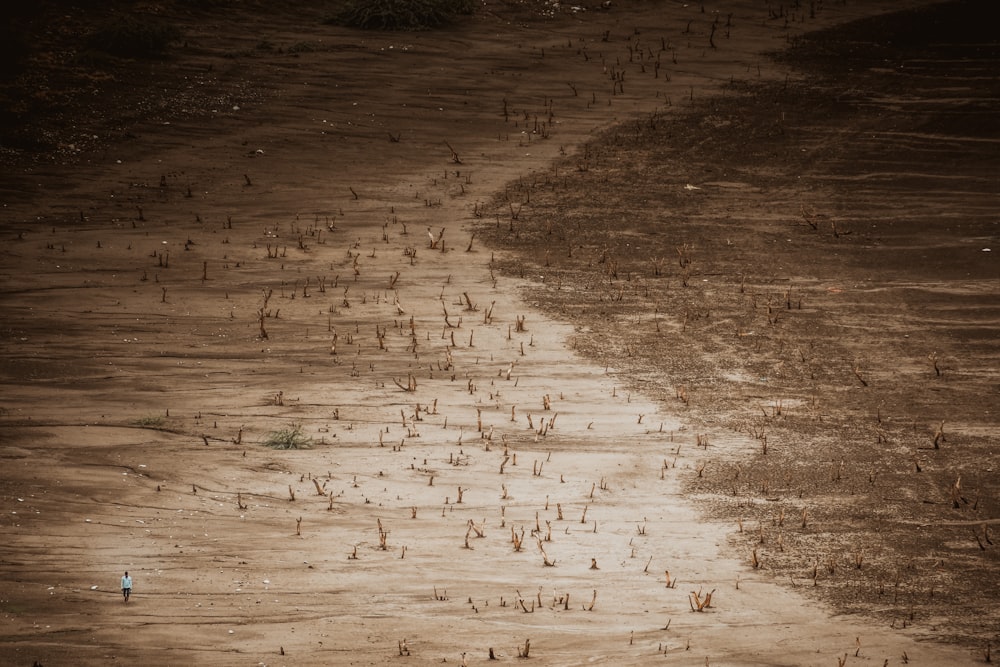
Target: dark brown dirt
point(829, 287)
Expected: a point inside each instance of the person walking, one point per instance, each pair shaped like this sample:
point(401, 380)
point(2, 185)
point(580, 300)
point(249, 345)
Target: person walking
point(126, 586)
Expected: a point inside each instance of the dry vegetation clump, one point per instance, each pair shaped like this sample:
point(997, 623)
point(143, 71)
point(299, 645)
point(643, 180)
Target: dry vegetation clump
point(291, 437)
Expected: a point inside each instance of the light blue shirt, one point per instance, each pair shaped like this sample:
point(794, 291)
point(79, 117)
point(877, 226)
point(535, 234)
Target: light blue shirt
point(126, 582)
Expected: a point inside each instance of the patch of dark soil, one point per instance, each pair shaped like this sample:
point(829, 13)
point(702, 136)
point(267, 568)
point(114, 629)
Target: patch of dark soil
point(77, 77)
point(88, 72)
point(956, 29)
point(808, 270)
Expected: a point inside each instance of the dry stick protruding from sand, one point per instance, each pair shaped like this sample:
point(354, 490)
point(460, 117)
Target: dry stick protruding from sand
point(411, 383)
point(933, 357)
point(469, 305)
point(468, 532)
point(697, 604)
point(956, 494)
point(435, 242)
point(939, 435)
point(447, 321)
point(454, 155)
point(548, 562)
point(857, 373)
point(516, 539)
point(383, 535)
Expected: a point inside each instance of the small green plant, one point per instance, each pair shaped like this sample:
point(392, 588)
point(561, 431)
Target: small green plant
point(288, 438)
point(152, 421)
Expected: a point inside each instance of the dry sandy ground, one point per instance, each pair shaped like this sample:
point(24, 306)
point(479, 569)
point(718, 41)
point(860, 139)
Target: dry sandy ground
point(171, 299)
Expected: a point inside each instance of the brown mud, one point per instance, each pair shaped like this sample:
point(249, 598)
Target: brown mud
point(540, 448)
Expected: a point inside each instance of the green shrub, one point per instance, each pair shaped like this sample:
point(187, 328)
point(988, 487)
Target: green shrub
point(149, 422)
point(134, 36)
point(401, 14)
point(288, 438)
